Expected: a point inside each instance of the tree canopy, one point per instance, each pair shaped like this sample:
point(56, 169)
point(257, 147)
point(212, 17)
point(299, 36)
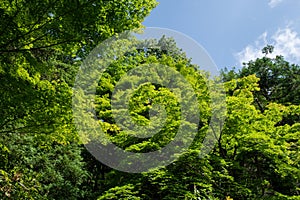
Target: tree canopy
point(42, 45)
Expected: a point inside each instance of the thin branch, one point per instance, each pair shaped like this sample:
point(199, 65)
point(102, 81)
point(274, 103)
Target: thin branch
point(12, 18)
point(33, 29)
point(35, 40)
point(259, 105)
point(36, 48)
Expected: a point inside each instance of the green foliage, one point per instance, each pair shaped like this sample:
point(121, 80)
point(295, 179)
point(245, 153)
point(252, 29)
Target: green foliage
point(147, 96)
point(279, 80)
point(37, 167)
point(41, 46)
point(262, 115)
point(165, 183)
point(256, 156)
point(125, 192)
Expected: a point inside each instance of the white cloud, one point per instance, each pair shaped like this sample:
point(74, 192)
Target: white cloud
point(274, 3)
point(286, 42)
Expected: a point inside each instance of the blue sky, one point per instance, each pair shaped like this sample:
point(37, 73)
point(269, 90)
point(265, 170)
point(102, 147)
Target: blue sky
point(234, 31)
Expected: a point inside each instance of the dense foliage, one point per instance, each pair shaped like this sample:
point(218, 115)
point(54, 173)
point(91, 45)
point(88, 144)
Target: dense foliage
point(42, 45)
point(257, 154)
point(41, 157)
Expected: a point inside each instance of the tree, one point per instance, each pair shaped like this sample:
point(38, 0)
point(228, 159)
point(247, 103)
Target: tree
point(41, 43)
point(255, 148)
point(164, 182)
point(41, 46)
point(262, 127)
point(256, 156)
point(279, 80)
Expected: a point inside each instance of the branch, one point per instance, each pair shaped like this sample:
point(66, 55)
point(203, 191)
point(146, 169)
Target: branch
point(37, 48)
point(259, 105)
point(33, 29)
